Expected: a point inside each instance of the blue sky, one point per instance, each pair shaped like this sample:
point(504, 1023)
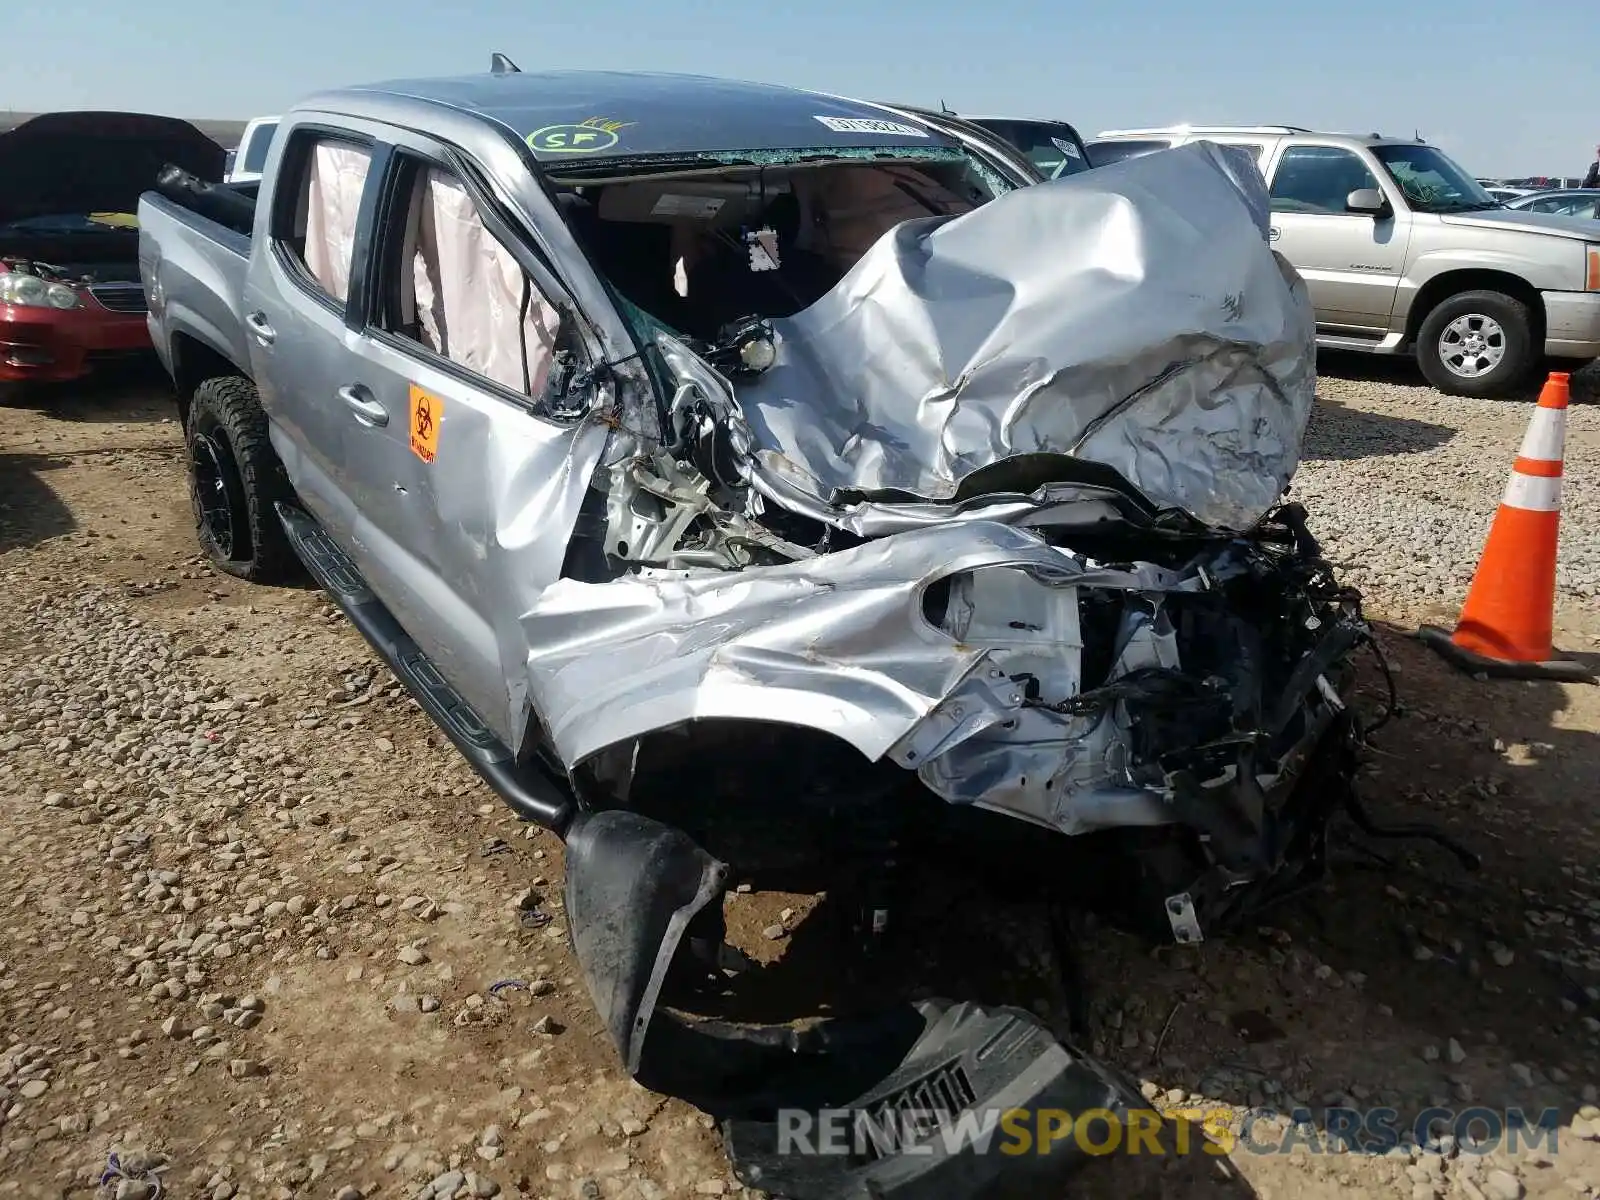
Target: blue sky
point(1503, 95)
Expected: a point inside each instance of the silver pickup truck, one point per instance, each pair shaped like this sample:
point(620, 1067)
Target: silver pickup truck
point(750, 480)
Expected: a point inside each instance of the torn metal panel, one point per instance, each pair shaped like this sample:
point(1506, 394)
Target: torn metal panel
point(838, 643)
point(1133, 316)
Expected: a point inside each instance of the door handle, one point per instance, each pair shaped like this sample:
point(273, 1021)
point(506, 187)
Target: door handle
point(265, 334)
point(367, 410)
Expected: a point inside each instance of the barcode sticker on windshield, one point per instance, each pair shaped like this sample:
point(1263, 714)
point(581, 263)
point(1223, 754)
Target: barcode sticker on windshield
point(868, 125)
point(700, 207)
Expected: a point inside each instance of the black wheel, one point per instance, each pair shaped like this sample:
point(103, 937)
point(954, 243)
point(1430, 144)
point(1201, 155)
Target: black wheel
point(1477, 344)
point(234, 480)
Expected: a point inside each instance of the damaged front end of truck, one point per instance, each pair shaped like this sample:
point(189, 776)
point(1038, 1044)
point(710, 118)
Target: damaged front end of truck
point(983, 543)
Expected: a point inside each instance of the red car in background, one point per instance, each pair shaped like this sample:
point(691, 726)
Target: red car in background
point(70, 294)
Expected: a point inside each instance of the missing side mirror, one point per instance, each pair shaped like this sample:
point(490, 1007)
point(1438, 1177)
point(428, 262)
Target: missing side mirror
point(1369, 201)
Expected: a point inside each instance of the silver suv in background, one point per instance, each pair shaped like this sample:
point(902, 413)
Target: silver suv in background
point(1406, 252)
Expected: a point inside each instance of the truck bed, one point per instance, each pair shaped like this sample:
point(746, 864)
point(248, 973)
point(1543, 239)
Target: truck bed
point(194, 264)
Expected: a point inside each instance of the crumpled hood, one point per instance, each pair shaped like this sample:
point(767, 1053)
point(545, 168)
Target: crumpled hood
point(1133, 315)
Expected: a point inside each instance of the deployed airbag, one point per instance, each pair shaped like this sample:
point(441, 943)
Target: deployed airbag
point(1133, 316)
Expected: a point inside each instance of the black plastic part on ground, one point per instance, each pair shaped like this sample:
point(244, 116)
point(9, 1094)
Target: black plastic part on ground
point(899, 1087)
point(931, 1128)
point(634, 885)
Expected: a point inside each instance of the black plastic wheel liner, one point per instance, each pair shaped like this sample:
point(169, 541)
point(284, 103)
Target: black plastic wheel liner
point(639, 891)
point(633, 886)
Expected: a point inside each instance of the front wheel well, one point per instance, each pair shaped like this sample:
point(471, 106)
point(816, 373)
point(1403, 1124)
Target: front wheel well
point(194, 362)
point(1452, 283)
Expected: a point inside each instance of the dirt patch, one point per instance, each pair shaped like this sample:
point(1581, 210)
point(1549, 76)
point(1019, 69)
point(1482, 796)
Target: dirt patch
point(264, 931)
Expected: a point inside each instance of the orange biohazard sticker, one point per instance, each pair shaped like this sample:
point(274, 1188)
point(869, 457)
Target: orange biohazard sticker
point(425, 413)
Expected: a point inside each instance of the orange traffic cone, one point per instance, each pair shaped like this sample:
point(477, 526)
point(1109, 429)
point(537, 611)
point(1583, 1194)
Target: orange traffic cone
point(1505, 625)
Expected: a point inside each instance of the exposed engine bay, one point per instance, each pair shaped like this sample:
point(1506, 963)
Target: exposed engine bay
point(74, 250)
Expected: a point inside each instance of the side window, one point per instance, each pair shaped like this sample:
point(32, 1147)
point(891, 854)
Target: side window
point(255, 151)
point(1316, 179)
point(325, 177)
point(451, 287)
point(1051, 148)
point(1552, 205)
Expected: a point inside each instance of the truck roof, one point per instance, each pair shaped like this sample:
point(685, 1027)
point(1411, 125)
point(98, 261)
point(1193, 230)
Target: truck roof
point(587, 115)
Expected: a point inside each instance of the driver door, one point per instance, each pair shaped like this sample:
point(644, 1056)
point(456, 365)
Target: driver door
point(1352, 262)
point(465, 481)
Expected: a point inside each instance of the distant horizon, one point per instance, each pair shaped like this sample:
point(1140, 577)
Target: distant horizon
point(12, 117)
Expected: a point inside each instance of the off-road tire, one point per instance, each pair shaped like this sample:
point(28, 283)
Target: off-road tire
point(235, 478)
point(1505, 379)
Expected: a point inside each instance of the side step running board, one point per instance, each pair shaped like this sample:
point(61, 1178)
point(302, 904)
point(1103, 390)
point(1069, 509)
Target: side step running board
point(531, 791)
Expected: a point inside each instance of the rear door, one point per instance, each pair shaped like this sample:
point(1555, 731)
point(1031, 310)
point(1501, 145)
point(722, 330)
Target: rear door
point(1352, 262)
point(299, 291)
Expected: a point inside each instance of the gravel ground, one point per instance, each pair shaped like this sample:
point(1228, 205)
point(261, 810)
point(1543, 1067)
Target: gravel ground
point(1403, 482)
point(255, 906)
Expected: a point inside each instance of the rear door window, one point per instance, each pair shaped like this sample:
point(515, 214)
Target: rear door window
point(1253, 149)
point(314, 219)
point(1569, 206)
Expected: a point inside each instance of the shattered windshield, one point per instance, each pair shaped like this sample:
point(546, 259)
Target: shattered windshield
point(1431, 180)
point(698, 247)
